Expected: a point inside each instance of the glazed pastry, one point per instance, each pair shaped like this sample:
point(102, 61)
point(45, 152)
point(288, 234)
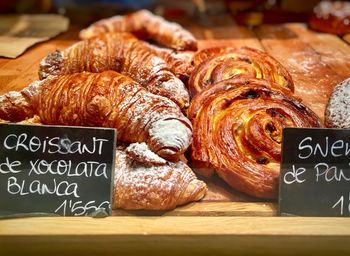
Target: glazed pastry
point(145, 25)
point(237, 130)
point(121, 52)
point(138, 186)
point(331, 17)
point(337, 114)
point(205, 54)
point(218, 64)
point(106, 99)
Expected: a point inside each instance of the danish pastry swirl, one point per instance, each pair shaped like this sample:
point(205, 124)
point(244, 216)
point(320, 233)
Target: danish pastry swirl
point(237, 130)
point(218, 64)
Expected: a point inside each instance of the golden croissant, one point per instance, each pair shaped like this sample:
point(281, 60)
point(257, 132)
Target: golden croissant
point(179, 62)
point(138, 186)
point(106, 99)
point(121, 52)
point(217, 64)
point(145, 25)
point(237, 130)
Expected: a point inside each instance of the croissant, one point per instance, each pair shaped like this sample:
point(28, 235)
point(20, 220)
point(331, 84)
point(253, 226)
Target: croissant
point(32, 120)
point(179, 62)
point(121, 52)
point(145, 25)
point(237, 130)
point(106, 99)
point(138, 186)
point(217, 64)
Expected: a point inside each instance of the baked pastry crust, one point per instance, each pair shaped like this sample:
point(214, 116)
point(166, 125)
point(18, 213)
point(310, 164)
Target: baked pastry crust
point(237, 130)
point(217, 64)
point(145, 25)
point(121, 52)
point(106, 99)
point(162, 187)
point(179, 62)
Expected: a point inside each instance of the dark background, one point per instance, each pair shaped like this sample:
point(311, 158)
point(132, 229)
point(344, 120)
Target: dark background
point(312, 198)
point(244, 12)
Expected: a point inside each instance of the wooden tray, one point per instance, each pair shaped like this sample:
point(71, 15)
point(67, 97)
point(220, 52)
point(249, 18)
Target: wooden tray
point(225, 220)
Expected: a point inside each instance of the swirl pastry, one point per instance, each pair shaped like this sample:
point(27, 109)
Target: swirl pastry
point(121, 52)
point(163, 187)
point(218, 64)
point(145, 25)
point(237, 130)
point(205, 54)
point(106, 99)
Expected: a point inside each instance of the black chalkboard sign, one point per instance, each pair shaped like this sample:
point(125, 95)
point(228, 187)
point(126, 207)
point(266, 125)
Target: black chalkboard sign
point(315, 172)
point(55, 169)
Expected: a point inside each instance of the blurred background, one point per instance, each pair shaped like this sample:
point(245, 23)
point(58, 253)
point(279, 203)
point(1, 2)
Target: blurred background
point(204, 12)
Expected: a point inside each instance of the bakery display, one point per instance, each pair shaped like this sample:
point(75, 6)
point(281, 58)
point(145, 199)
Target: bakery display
point(106, 99)
point(217, 64)
point(145, 25)
point(153, 187)
point(222, 108)
point(237, 130)
point(337, 114)
point(121, 52)
point(331, 17)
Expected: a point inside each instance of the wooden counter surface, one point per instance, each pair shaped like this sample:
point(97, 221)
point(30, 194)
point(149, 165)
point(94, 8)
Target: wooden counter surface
point(226, 222)
point(175, 236)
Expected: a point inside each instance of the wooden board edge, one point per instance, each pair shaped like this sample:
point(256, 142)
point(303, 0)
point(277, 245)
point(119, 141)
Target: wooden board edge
point(175, 245)
point(211, 209)
point(174, 225)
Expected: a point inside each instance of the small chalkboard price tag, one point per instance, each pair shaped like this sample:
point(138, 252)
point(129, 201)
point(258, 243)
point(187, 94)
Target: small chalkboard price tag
point(315, 172)
point(55, 169)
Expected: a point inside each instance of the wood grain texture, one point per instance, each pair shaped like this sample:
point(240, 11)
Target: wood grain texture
point(175, 245)
point(232, 36)
point(314, 79)
point(347, 38)
point(16, 74)
point(205, 208)
point(175, 235)
point(172, 225)
point(332, 50)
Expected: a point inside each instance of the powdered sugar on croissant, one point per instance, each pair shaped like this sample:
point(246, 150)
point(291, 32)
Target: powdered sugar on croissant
point(141, 153)
point(121, 52)
point(106, 99)
point(164, 187)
